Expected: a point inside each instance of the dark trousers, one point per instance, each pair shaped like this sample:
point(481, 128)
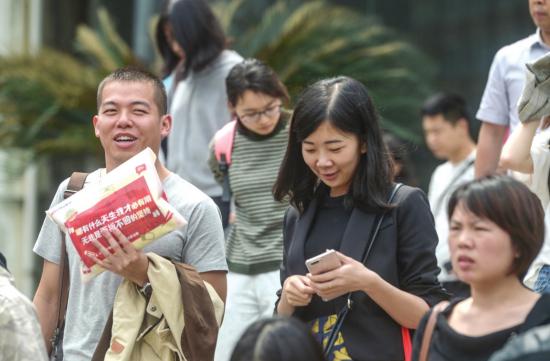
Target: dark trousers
point(224, 210)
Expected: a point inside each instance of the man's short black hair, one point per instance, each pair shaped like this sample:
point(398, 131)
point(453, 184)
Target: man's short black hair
point(451, 106)
point(134, 74)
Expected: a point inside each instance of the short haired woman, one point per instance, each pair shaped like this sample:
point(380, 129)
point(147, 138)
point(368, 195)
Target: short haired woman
point(496, 229)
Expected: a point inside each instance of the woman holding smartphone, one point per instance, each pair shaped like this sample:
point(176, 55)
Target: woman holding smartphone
point(337, 175)
point(496, 229)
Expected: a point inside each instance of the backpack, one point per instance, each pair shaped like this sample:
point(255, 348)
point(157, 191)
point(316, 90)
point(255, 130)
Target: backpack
point(223, 148)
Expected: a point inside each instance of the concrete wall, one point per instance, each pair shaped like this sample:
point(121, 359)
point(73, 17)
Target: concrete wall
point(20, 32)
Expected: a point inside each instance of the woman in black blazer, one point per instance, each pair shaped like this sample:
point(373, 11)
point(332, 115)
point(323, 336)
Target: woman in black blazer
point(337, 175)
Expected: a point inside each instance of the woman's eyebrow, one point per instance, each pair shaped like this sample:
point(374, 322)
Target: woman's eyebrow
point(333, 141)
point(264, 107)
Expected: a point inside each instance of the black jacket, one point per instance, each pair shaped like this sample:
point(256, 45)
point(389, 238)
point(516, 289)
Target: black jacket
point(403, 254)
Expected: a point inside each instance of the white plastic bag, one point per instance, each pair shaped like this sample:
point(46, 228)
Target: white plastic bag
point(130, 198)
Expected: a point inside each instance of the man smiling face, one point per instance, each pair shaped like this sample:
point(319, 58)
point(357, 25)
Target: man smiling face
point(129, 120)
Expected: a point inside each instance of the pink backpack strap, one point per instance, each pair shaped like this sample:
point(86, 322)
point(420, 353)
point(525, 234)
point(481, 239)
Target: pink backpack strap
point(223, 142)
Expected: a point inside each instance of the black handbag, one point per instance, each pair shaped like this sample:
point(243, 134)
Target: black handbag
point(349, 302)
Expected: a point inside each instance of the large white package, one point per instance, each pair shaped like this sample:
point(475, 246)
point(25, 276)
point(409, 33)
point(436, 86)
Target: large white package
point(130, 198)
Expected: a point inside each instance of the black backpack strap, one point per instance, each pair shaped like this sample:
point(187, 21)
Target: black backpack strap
point(226, 187)
point(76, 183)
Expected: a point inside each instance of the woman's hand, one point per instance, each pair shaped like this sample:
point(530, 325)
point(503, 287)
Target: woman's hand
point(297, 292)
point(350, 276)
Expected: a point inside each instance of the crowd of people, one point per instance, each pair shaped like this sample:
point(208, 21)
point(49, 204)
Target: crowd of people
point(462, 273)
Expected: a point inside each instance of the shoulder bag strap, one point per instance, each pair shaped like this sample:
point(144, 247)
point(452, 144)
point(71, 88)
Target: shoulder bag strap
point(428, 331)
point(459, 173)
point(374, 235)
point(76, 183)
point(379, 223)
point(345, 310)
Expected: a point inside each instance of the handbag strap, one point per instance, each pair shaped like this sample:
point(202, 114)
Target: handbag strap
point(379, 224)
point(76, 183)
point(375, 233)
point(345, 310)
point(428, 331)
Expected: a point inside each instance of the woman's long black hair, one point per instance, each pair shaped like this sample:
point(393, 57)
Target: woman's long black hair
point(198, 32)
point(345, 104)
point(170, 59)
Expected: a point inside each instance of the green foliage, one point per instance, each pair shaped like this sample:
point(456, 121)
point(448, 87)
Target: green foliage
point(307, 41)
point(47, 100)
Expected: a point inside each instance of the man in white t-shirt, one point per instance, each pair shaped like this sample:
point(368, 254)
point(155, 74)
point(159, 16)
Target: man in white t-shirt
point(131, 116)
point(446, 130)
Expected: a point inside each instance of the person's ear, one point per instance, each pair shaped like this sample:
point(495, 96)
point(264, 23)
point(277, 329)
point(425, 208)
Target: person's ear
point(165, 125)
point(463, 124)
point(95, 120)
point(363, 147)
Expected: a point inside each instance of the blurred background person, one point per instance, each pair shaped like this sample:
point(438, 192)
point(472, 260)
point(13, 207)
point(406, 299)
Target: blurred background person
point(20, 335)
point(496, 230)
point(170, 51)
point(532, 345)
point(198, 102)
point(446, 127)
point(402, 167)
point(529, 152)
point(254, 249)
point(497, 111)
point(277, 339)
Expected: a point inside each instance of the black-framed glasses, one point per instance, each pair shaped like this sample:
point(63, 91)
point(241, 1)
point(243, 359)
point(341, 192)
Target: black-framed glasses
point(269, 112)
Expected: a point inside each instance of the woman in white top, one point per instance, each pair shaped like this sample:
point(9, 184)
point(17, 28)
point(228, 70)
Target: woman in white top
point(527, 151)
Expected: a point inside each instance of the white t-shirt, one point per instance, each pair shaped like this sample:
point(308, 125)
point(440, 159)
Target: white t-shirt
point(445, 179)
point(200, 243)
point(540, 153)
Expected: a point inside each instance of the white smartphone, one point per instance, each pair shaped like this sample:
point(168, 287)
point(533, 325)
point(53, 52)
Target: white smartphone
point(324, 262)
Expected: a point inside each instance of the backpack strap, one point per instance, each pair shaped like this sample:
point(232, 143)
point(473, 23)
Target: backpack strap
point(76, 183)
point(223, 142)
point(223, 148)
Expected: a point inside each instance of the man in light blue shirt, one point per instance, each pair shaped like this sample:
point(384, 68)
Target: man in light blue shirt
point(498, 108)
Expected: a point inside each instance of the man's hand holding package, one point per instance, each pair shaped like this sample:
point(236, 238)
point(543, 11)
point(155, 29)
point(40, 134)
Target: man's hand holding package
point(122, 257)
point(534, 102)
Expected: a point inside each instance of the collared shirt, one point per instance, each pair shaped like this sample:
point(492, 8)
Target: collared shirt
point(20, 335)
point(506, 79)
point(445, 179)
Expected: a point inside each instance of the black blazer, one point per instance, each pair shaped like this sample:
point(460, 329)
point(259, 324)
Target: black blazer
point(403, 254)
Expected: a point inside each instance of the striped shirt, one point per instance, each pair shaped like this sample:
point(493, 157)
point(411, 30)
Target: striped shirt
point(255, 243)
